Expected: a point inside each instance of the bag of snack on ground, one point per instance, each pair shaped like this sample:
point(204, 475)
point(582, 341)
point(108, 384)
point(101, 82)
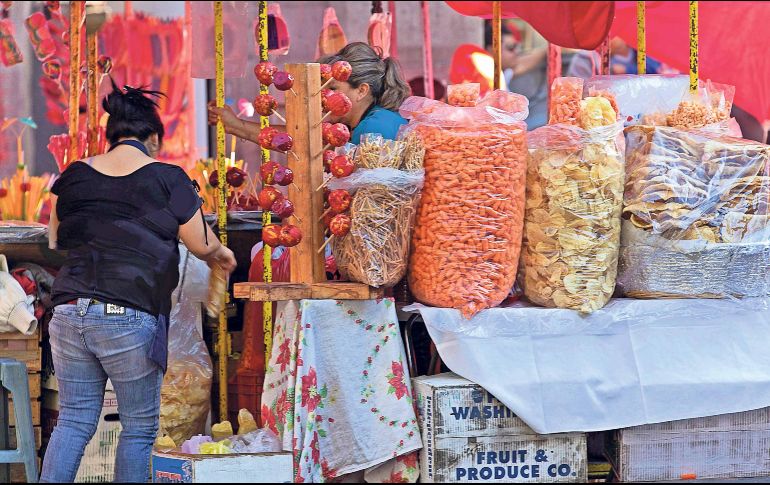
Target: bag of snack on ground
point(467, 236)
point(575, 183)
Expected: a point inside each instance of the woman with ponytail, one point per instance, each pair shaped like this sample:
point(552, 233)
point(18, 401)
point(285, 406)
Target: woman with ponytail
point(120, 216)
point(376, 89)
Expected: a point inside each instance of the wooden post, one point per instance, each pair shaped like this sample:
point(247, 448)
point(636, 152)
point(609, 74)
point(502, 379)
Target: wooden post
point(497, 51)
point(267, 260)
point(393, 30)
point(93, 94)
point(554, 68)
point(76, 21)
point(303, 113)
point(641, 38)
point(693, 46)
point(427, 52)
point(224, 349)
point(605, 57)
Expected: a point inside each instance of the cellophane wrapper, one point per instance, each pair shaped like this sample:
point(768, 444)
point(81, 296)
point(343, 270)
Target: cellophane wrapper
point(382, 211)
point(695, 215)
point(186, 390)
point(467, 238)
point(575, 181)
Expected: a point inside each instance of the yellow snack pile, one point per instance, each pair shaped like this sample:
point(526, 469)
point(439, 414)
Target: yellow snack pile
point(596, 112)
point(246, 422)
point(221, 431)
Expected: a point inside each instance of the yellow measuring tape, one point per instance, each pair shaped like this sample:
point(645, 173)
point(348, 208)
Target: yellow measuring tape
point(641, 38)
point(264, 121)
point(222, 342)
point(693, 47)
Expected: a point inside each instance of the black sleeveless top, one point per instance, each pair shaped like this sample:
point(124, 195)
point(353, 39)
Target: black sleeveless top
point(121, 234)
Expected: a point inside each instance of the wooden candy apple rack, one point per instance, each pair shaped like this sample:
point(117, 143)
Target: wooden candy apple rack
point(308, 272)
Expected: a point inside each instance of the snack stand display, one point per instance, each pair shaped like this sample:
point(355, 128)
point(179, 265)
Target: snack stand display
point(577, 255)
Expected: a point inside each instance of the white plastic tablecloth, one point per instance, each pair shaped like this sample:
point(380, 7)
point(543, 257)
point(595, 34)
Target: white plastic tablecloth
point(634, 362)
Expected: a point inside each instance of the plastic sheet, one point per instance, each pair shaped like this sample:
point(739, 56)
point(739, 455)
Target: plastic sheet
point(378, 33)
point(467, 237)
point(186, 390)
point(575, 184)
point(10, 55)
point(15, 232)
point(631, 363)
point(697, 215)
point(382, 212)
point(235, 23)
point(259, 441)
point(332, 38)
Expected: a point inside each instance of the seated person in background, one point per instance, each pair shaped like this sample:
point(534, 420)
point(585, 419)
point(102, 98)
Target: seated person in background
point(586, 64)
point(525, 74)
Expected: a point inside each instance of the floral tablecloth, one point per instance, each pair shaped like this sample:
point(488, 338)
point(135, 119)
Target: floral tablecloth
point(338, 393)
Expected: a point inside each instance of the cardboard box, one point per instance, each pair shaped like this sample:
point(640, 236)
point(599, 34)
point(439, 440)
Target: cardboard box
point(728, 446)
point(98, 464)
point(241, 468)
point(469, 436)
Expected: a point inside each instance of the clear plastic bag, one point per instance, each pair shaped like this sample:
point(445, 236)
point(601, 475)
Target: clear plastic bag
point(259, 441)
point(467, 237)
point(378, 34)
point(665, 100)
point(186, 391)
point(564, 100)
point(382, 211)
point(696, 210)
point(572, 224)
point(464, 95)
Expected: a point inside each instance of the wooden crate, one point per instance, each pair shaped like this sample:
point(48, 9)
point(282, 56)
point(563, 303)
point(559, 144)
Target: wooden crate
point(38, 437)
point(35, 413)
point(18, 475)
point(25, 348)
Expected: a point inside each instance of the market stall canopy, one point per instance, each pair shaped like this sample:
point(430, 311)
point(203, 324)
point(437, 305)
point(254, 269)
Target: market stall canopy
point(578, 25)
point(732, 50)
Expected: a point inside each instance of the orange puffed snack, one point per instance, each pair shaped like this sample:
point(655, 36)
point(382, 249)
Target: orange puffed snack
point(465, 95)
point(564, 101)
point(468, 233)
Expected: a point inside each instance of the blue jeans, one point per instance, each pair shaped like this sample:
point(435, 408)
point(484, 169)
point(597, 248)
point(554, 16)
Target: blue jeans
point(88, 347)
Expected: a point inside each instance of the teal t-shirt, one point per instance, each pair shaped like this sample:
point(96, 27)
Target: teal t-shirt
point(378, 120)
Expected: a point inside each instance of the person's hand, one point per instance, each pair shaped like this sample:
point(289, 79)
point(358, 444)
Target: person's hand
point(225, 113)
point(225, 259)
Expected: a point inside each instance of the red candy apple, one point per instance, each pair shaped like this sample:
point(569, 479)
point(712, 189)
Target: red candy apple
point(338, 135)
point(282, 142)
point(265, 137)
point(265, 72)
point(283, 176)
point(267, 172)
point(342, 166)
point(290, 236)
point(326, 72)
point(339, 200)
point(265, 104)
point(340, 225)
point(268, 196)
point(341, 71)
point(283, 81)
point(283, 208)
point(271, 235)
point(235, 177)
point(339, 104)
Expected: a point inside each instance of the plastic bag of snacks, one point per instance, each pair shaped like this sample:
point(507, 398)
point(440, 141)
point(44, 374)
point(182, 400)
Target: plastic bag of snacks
point(465, 95)
point(574, 200)
point(186, 391)
point(666, 101)
point(696, 210)
point(564, 101)
point(386, 191)
point(467, 237)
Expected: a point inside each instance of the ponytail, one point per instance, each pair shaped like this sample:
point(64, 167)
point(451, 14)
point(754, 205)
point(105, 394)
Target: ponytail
point(394, 89)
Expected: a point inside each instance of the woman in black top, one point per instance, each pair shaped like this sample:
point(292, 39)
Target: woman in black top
point(120, 216)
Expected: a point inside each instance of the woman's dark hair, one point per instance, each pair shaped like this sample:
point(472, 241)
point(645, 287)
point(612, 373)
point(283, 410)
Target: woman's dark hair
point(133, 113)
point(383, 76)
